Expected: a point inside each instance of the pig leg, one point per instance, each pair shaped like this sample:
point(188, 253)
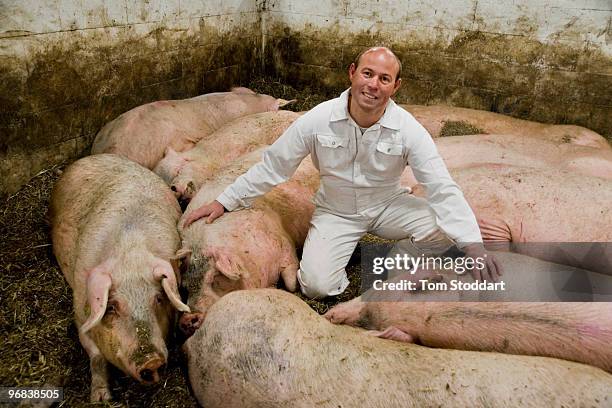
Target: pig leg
point(289, 267)
point(346, 313)
point(100, 390)
point(289, 275)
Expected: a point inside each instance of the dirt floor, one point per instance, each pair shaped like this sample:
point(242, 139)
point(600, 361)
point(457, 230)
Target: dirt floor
point(40, 344)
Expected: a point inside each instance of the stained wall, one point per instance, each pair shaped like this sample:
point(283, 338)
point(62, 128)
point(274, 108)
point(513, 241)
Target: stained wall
point(69, 66)
point(545, 60)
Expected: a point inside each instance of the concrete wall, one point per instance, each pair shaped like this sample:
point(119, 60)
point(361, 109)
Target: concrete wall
point(545, 60)
point(69, 66)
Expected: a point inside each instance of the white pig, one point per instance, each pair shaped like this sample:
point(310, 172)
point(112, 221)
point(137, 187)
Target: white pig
point(267, 348)
point(186, 171)
point(143, 133)
point(115, 237)
point(250, 248)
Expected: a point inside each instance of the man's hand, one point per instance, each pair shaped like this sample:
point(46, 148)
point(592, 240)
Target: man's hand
point(213, 210)
point(492, 269)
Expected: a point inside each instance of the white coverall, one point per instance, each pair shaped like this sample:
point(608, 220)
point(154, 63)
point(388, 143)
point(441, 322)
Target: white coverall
point(360, 188)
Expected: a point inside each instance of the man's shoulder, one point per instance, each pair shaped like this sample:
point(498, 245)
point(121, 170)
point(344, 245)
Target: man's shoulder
point(408, 124)
point(403, 115)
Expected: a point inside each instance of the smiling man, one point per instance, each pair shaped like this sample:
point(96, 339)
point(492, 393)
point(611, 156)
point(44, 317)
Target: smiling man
point(361, 142)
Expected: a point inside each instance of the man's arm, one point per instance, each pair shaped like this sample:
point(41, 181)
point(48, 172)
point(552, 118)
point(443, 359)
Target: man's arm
point(454, 215)
point(279, 163)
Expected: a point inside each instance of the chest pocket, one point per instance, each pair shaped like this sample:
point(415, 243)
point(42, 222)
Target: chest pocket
point(332, 152)
point(389, 148)
point(387, 161)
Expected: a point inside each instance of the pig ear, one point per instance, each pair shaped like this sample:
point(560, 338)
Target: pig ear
point(230, 266)
point(98, 286)
point(182, 253)
point(164, 273)
point(284, 102)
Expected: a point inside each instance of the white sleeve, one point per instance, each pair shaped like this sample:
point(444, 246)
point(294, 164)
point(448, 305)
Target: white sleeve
point(453, 214)
point(279, 163)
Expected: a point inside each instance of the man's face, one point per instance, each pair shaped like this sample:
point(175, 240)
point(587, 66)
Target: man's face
point(373, 81)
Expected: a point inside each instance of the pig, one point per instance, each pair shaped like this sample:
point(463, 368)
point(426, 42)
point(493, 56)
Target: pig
point(494, 320)
point(185, 172)
point(539, 205)
point(250, 248)
point(517, 150)
point(433, 118)
point(267, 348)
point(143, 133)
point(114, 234)
point(522, 204)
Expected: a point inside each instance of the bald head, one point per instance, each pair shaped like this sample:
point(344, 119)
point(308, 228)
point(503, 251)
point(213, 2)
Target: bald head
point(385, 50)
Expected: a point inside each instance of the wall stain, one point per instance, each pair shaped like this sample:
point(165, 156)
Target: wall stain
point(514, 75)
point(56, 99)
point(72, 86)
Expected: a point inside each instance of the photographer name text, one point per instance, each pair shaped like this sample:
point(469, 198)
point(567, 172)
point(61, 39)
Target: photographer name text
point(427, 285)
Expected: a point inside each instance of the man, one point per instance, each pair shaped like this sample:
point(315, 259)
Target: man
point(361, 142)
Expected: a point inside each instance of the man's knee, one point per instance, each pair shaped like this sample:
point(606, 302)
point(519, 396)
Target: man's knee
point(434, 243)
point(318, 286)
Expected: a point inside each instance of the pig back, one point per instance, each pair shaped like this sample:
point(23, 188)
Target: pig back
point(292, 201)
point(226, 144)
point(538, 205)
point(268, 348)
point(434, 118)
point(143, 133)
point(103, 197)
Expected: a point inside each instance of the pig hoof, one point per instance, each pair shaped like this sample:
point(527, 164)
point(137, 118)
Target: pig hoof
point(190, 322)
point(100, 394)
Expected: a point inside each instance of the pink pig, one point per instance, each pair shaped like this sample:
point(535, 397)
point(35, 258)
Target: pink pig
point(434, 117)
point(493, 320)
point(143, 133)
point(250, 248)
point(186, 171)
point(115, 238)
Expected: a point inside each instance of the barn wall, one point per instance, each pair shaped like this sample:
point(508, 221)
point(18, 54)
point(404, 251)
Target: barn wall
point(545, 60)
point(69, 66)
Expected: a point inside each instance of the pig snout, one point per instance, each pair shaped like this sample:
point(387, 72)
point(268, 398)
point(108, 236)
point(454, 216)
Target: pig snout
point(149, 371)
point(190, 322)
point(183, 193)
point(175, 191)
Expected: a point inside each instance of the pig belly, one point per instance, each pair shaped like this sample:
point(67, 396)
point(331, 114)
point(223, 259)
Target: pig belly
point(268, 348)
